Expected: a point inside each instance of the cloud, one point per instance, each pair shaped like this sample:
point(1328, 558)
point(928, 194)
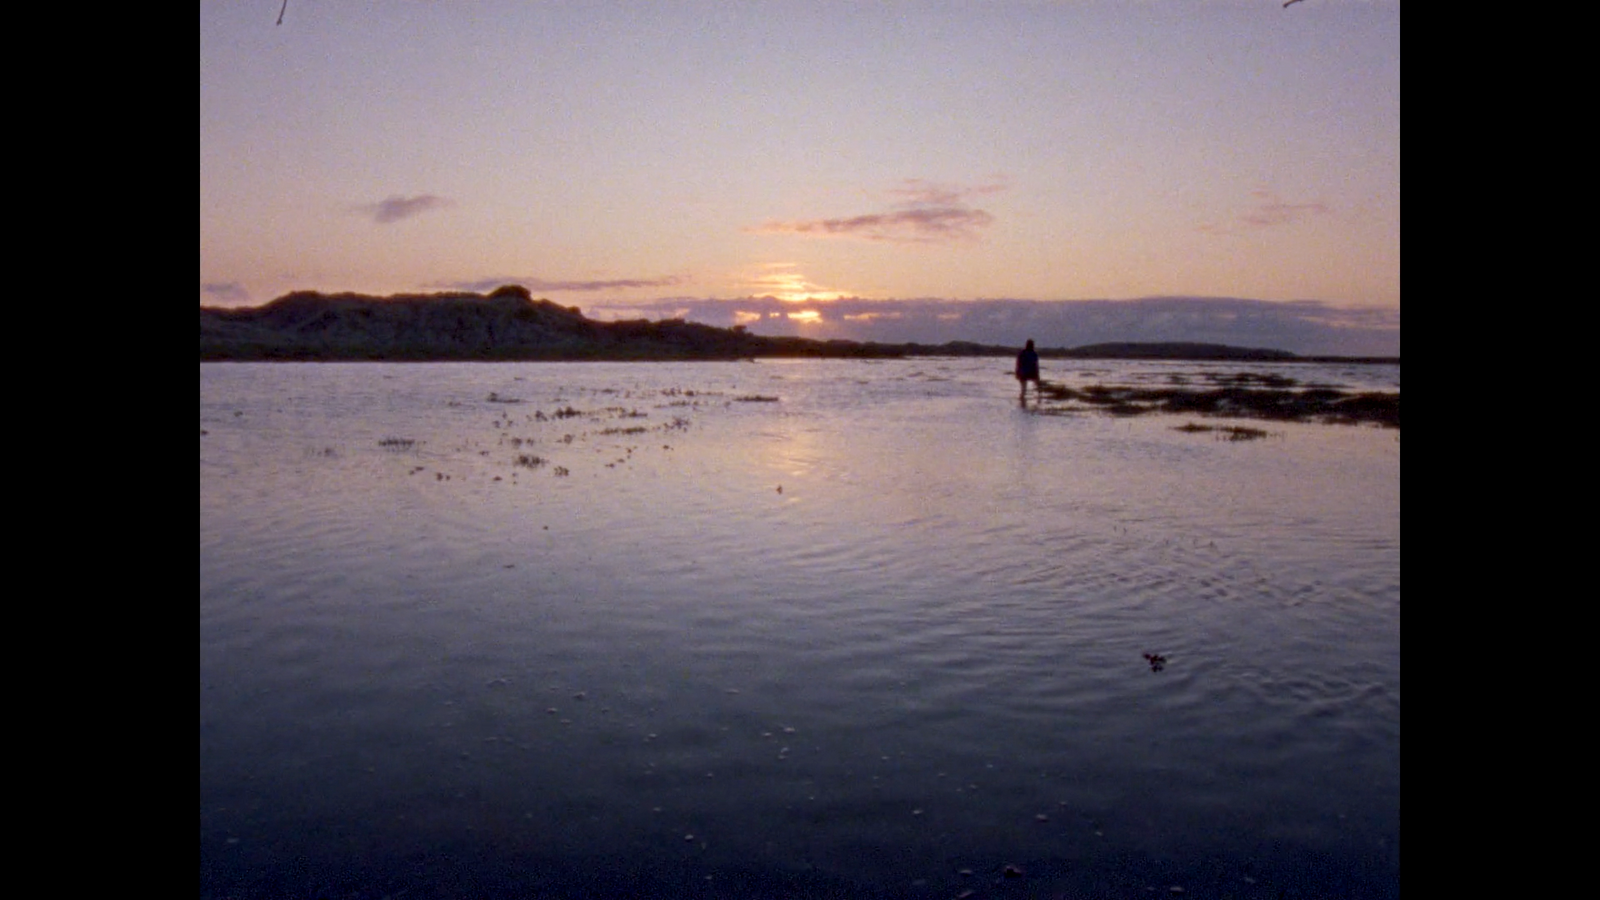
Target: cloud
point(926, 213)
point(540, 285)
point(1269, 211)
point(230, 291)
point(396, 208)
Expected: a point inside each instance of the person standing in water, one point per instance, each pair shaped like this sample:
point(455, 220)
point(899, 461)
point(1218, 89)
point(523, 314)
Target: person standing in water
point(1028, 370)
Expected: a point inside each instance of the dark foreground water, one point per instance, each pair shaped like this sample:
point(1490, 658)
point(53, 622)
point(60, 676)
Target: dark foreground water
point(798, 629)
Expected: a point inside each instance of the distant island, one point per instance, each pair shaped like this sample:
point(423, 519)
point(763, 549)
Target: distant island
point(507, 324)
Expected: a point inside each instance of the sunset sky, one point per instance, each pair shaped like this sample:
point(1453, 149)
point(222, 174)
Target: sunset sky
point(646, 158)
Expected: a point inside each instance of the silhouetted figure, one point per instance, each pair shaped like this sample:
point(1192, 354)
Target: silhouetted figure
point(1028, 370)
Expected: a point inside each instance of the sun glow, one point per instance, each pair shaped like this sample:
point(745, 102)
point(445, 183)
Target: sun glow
point(784, 281)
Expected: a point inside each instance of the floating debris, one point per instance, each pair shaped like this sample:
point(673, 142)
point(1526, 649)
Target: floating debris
point(1157, 661)
point(394, 443)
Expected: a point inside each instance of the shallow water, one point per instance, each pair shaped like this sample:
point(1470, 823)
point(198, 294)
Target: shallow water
point(798, 628)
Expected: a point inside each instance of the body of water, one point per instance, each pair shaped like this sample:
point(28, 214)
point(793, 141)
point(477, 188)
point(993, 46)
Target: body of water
point(788, 628)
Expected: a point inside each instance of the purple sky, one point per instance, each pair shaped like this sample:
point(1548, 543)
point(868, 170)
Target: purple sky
point(611, 155)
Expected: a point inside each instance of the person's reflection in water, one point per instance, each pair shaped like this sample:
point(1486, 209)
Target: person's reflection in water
point(1028, 370)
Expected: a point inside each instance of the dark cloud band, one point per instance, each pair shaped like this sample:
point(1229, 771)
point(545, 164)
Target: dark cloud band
point(1307, 327)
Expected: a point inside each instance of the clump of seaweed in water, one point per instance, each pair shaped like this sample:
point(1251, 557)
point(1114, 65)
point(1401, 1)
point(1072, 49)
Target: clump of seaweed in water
point(1280, 404)
point(1244, 379)
point(1226, 432)
point(394, 443)
point(1243, 433)
point(528, 460)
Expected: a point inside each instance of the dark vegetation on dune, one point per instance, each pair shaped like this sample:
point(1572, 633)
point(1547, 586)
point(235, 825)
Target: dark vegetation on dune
point(508, 324)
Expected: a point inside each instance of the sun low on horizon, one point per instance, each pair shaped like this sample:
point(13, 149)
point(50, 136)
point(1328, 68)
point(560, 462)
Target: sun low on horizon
point(617, 156)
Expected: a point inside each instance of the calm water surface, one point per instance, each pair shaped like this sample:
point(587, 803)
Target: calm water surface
point(811, 628)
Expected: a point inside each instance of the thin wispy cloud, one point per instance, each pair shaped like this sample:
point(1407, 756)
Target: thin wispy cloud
point(542, 285)
point(1268, 211)
point(926, 213)
point(393, 209)
point(911, 226)
point(228, 291)
point(918, 192)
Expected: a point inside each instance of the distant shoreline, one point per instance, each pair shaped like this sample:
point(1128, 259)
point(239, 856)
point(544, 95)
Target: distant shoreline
point(508, 325)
